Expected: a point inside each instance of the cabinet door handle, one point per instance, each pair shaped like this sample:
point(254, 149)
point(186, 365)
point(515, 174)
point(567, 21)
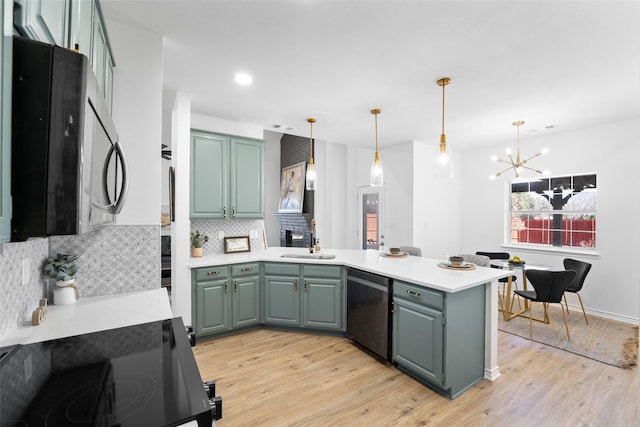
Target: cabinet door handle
point(295, 285)
point(225, 287)
point(413, 293)
point(224, 212)
point(213, 273)
point(247, 269)
point(235, 286)
point(393, 307)
point(233, 212)
point(305, 286)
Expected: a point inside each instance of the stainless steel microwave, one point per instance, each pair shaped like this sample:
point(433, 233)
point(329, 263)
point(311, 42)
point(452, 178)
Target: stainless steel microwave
point(68, 170)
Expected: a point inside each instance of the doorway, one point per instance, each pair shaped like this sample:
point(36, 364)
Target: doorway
point(371, 217)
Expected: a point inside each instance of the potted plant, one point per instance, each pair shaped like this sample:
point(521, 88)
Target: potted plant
point(197, 240)
point(63, 269)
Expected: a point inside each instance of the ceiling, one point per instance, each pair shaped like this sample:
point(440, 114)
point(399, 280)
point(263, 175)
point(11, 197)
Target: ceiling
point(557, 65)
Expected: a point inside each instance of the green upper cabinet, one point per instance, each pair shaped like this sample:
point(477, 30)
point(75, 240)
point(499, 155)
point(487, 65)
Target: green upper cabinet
point(101, 56)
point(5, 120)
point(44, 20)
point(227, 177)
point(70, 24)
point(247, 178)
point(209, 176)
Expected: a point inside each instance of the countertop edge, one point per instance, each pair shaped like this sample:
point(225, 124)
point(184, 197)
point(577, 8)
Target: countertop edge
point(422, 271)
point(92, 314)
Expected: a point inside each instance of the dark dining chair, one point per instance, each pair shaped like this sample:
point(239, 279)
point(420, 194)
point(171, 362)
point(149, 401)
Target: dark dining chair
point(582, 269)
point(501, 256)
point(548, 288)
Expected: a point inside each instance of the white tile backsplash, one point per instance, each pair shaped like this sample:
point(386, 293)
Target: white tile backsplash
point(114, 259)
point(230, 228)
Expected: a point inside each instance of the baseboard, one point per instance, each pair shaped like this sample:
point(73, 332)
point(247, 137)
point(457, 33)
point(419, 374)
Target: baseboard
point(605, 314)
point(492, 374)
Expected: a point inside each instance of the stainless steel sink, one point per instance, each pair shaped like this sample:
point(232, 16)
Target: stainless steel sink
point(308, 256)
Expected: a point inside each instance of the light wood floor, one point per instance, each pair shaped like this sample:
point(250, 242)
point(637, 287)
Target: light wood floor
point(276, 378)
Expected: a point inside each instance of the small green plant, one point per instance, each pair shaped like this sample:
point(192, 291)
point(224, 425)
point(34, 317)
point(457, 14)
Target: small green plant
point(197, 239)
point(62, 267)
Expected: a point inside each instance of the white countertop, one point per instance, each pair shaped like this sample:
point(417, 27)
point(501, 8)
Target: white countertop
point(418, 270)
point(92, 314)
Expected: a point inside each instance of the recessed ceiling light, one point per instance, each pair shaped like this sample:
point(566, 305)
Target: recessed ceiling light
point(243, 79)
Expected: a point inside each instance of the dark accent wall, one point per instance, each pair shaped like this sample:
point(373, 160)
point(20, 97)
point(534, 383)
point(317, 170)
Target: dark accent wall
point(295, 149)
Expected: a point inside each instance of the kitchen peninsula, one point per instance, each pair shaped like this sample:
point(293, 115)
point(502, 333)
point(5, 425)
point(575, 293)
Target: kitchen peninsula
point(411, 272)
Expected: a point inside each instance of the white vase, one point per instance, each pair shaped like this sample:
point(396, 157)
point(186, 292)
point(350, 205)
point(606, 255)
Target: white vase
point(64, 293)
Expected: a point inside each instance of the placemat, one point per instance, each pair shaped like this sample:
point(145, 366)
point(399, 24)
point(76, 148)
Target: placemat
point(463, 267)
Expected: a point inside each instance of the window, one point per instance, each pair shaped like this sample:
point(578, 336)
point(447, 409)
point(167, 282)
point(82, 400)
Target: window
point(554, 211)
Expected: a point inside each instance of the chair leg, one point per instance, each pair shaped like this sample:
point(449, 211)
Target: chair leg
point(565, 322)
point(583, 312)
point(564, 295)
point(530, 319)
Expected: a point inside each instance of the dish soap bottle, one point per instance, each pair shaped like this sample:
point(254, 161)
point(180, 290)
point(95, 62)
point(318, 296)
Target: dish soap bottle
point(317, 245)
point(382, 248)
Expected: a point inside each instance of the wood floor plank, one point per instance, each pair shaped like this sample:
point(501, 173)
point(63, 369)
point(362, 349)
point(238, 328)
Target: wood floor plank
point(280, 378)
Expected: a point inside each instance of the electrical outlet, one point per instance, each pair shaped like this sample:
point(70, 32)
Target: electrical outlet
point(253, 234)
point(220, 235)
point(26, 271)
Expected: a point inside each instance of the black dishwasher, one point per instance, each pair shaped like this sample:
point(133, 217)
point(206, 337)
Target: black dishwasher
point(369, 311)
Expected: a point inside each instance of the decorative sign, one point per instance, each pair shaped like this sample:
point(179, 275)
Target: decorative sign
point(237, 244)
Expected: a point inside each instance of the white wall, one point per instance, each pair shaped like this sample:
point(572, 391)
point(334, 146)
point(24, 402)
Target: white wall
point(137, 113)
point(397, 163)
point(613, 152)
point(180, 229)
point(272, 186)
point(230, 127)
point(330, 197)
point(437, 208)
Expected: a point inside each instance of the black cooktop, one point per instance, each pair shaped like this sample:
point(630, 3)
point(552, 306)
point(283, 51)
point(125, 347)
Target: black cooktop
point(142, 375)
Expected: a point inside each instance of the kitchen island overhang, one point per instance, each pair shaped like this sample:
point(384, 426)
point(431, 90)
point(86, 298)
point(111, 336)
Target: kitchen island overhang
point(417, 270)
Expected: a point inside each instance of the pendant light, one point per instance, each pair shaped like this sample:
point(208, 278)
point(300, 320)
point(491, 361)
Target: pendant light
point(312, 177)
point(444, 160)
point(377, 179)
point(517, 165)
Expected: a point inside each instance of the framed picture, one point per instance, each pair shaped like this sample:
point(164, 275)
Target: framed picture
point(237, 244)
point(292, 188)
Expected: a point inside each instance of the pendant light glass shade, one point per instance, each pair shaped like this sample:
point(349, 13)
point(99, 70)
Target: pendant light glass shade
point(377, 176)
point(312, 176)
point(444, 161)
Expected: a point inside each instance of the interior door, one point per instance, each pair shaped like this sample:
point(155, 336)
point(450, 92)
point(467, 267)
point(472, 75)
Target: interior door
point(371, 217)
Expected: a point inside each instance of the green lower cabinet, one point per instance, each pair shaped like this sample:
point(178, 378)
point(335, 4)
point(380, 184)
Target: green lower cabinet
point(322, 303)
point(307, 296)
point(439, 337)
point(281, 300)
point(417, 339)
point(226, 298)
point(212, 307)
point(246, 302)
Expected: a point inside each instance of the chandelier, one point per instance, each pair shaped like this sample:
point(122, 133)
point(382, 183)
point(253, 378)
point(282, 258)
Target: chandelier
point(518, 165)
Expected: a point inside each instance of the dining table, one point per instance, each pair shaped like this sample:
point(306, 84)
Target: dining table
point(507, 309)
